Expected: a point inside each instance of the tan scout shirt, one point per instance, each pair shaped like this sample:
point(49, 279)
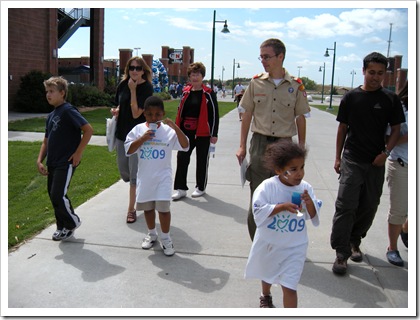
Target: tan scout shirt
point(274, 108)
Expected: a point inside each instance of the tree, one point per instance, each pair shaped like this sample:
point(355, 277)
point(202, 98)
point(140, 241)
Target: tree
point(308, 83)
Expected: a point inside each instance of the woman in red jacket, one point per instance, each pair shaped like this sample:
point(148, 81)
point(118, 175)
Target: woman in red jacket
point(198, 118)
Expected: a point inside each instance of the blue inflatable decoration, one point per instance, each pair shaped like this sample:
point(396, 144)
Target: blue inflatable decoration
point(159, 71)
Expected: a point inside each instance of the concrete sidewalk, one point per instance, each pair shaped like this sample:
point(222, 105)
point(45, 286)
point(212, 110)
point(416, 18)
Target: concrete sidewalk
point(104, 267)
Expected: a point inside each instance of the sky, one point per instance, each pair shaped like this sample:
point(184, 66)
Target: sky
point(307, 28)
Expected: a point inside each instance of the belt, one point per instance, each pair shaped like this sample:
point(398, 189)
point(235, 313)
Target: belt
point(272, 139)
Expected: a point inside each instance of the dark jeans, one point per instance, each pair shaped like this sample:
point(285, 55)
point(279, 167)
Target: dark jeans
point(359, 193)
point(201, 144)
point(58, 183)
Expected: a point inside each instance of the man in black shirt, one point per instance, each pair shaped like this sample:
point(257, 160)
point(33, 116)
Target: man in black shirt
point(361, 154)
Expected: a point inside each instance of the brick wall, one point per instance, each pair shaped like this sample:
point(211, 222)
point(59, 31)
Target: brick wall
point(32, 37)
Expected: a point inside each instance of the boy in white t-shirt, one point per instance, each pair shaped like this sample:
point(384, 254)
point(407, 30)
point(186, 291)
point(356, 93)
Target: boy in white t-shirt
point(154, 175)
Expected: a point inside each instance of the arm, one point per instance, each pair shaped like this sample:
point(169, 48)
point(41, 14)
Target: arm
point(245, 125)
point(41, 156)
point(301, 129)
point(341, 137)
point(87, 134)
point(391, 143)
point(135, 110)
point(183, 140)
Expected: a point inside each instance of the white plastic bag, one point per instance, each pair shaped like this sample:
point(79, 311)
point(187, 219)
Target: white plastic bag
point(111, 126)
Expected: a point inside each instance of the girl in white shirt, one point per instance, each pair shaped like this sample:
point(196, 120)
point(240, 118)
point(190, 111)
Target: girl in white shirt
point(281, 204)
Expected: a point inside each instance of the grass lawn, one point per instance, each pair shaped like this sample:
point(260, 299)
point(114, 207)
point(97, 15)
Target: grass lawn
point(323, 107)
point(29, 207)
point(97, 118)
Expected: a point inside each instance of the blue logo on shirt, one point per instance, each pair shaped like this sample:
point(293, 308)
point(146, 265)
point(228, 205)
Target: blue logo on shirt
point(286, 223)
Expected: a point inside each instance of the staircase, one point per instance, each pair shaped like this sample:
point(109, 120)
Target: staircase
point(70, 21)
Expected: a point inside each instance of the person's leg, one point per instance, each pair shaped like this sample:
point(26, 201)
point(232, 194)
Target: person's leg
point(165, 221)
point(132, 167)
point(202, 162)
point(346, 204)
point(58, 186)
point(150, 217)
point(290, 299)
point(183, 161)
point(265, 288)
point(369, 200)
point(255, 174)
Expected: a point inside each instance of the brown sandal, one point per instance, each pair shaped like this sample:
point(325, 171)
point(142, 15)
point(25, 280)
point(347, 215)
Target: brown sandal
point(131, 217)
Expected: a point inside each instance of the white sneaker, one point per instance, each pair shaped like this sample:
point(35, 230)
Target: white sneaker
point(178, 194)
point(168, 247)
point(197, 193)
point(149, 241)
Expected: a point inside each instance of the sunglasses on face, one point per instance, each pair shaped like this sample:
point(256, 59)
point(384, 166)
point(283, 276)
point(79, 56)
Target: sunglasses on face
point(132, 68)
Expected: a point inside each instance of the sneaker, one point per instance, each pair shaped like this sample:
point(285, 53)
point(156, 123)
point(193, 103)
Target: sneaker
point(66, 233)
point(197, 193)
point(178, 194)
point(356, 254)
point(266, 302)
point(168, 247)
point(404, 238)
point(394, 258)
point(57, 235)
point(340, 265)
point(149, 241)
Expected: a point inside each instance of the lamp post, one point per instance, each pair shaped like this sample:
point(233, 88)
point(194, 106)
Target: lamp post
point(224, 30)
point(352, 77)
point(332, 78)
point(223, 70)
point(323, 81)
point(299, 67)
point(137, 51)
point(233, 78)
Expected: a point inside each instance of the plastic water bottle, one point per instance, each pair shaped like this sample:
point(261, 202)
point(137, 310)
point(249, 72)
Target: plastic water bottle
point(212, 149)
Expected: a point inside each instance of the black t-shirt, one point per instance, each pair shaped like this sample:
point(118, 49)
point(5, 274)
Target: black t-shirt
point(367, 114)
point(192, 105)
point(63, 133)
point(125, 121)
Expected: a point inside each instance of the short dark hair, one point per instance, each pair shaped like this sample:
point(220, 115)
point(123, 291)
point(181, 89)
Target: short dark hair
point(277, 45)
point(154, 102)
point(197, 67)
point(280, 153)
point(375, 57)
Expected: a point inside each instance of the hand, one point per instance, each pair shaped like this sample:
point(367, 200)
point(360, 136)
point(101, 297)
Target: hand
point(75, 159)
point(291, 207)
point(337, 165)
point(240, 155)
point(380, 160)
point(213, 140)
point(41, 169)
point(132, 84)
point(115, 111)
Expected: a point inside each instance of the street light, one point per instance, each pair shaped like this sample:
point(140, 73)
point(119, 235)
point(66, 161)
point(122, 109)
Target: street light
point(224, 30)
point(352, 77)
point(332, 78)
point(323, 81)
point(223, 70)
point(299, 67)
point(137, 51)
point(233, 78)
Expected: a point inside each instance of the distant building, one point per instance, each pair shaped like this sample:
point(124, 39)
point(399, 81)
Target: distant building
point(396, 76)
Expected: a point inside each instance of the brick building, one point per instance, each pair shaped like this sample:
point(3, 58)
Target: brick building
point(396, 76)
point(35, 36)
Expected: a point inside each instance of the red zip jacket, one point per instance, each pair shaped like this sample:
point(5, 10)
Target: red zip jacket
point(208, 120)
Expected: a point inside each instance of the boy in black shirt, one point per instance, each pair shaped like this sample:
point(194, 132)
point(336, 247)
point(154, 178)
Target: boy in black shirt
point(63, 146)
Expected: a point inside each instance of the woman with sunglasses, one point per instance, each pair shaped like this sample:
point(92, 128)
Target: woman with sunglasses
point(134, 88)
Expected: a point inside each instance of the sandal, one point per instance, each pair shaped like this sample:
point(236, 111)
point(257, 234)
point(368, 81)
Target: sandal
point(131, 217)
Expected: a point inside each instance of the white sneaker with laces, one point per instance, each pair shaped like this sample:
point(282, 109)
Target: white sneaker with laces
point(197, 193)
point(168, 247)
point(149, 241)
point(178, 194)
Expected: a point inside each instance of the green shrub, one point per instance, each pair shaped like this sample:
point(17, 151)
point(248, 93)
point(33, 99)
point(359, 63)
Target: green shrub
point(31, 94)
point(88, 96)
point(163, 95)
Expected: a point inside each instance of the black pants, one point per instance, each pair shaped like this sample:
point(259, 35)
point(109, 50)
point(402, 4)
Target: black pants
point(58, 183)
point(202, 145)
point(359, 193)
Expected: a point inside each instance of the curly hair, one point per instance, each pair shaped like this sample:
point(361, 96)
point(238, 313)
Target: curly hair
point(279, 154)
point(196, 67)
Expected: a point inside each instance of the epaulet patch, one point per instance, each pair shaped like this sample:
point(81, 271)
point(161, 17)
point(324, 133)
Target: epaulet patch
point(298, 80)
point(257, 76)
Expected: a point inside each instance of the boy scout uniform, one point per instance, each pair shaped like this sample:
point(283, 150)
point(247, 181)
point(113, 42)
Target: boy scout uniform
point(274, 109)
